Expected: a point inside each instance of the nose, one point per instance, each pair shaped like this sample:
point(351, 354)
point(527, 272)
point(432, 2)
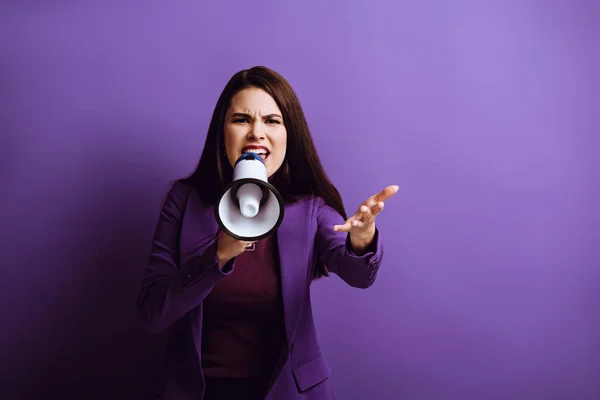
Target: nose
point(257, 132)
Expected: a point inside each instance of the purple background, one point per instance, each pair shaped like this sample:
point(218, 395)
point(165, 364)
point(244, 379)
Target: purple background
point(486, 116)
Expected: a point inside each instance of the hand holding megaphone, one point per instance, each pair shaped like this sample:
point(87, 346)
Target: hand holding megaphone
point(228, 247)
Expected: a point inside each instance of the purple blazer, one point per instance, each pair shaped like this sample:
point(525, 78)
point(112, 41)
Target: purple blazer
point(183, 268)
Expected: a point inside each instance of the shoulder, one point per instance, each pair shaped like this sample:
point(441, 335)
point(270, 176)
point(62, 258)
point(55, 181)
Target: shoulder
point(320, 204)
point(177, 195)
point(322, 211)
point(310, 203)
point(303, 207)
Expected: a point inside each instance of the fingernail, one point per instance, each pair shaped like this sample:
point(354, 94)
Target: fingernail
point(363, 209)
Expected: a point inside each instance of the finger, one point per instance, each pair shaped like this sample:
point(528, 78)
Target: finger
point(358, 224)
point(368, 213)
point(365, 213)
point(348, 225)
point(386, 193)
point(345, 227)
point(376, 208)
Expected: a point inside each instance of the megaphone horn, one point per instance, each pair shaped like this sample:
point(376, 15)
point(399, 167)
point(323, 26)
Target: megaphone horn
point(250, 208)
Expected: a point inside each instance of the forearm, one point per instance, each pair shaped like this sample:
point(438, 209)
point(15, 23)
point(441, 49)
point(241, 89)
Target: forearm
point(168, 293)
point(354, 259)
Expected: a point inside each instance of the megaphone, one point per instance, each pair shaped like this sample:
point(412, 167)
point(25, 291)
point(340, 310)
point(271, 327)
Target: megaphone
point(250, 208)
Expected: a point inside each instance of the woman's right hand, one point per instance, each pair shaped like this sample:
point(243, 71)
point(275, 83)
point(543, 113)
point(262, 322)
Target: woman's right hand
point(228, 248)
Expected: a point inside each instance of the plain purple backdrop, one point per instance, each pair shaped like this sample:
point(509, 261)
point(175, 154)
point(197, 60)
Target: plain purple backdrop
point(485, 115)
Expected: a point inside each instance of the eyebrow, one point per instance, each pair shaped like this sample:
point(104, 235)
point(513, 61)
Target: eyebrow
point(248, 115)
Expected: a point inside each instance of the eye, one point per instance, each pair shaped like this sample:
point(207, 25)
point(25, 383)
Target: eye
point(239, 120)
point(273, 121)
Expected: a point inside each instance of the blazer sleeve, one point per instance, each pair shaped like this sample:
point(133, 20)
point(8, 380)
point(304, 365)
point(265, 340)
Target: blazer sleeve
point(335, 250)
point(170, 289)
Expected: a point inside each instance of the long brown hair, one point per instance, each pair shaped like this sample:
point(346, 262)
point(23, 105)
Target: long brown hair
point(301, 173)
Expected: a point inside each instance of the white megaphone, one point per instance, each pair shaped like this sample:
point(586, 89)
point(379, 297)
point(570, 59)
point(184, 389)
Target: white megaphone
point(250, 208)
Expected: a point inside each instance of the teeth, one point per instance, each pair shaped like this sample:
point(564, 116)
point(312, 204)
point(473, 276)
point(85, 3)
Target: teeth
point(257, 151)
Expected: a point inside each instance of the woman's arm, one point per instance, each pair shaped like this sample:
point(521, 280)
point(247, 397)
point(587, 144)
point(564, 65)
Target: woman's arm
point(357, 267)
point(170, 290)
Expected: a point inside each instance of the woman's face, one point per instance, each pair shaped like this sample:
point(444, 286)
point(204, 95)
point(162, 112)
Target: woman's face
point(254, 123)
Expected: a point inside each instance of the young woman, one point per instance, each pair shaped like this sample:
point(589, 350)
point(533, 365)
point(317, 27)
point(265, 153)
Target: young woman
point(240, 322)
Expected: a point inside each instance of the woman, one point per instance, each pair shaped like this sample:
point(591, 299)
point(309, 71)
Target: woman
point(240, 322)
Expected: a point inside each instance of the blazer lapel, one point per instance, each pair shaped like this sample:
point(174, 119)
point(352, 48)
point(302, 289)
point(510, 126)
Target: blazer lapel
point(293, 258)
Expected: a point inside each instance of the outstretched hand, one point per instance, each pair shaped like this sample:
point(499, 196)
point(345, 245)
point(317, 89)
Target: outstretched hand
point(361, 225)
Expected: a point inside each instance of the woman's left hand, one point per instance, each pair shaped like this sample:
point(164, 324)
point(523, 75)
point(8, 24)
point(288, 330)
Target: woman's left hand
point(361, 226)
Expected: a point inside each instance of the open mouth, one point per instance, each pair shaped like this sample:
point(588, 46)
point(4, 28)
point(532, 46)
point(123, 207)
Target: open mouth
point(263, 153)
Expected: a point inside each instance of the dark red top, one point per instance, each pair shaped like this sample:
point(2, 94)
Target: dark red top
point(243, 328)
